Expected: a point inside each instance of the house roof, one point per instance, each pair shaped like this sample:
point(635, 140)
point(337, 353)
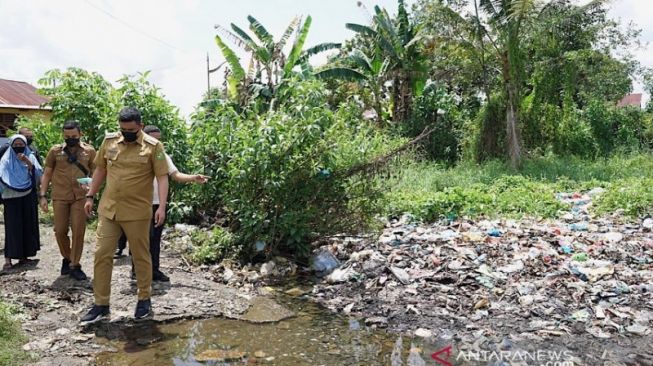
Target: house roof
point(20, 95)
point(631, 100)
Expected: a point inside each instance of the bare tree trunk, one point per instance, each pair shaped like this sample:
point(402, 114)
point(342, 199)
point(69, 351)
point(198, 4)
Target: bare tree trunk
point(378, 108)
point(402, 99)
point(396, 99)
point(513, 134)
point(512, 131)
point(407, 98)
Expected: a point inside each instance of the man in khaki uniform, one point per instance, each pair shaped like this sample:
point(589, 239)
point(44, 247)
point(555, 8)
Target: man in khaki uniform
point(129, 161)
point(64, 164)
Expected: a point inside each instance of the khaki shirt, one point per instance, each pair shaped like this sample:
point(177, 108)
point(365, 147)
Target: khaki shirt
point(130, 167)
point(65, 186)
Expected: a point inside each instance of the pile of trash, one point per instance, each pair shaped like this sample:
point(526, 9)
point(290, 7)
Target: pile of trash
point(540, 279)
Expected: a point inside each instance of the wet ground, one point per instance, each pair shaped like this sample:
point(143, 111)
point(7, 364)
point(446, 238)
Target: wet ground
point(51, 305)
point(310, 338)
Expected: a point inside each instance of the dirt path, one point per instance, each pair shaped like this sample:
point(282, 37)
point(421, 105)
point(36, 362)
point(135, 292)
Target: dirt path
point(52, 304)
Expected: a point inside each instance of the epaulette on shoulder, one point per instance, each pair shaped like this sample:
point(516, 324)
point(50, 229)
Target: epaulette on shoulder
point(112, 135)
point(150, 140)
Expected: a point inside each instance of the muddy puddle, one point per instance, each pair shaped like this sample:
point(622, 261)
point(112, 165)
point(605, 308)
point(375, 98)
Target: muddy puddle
point(312, 337)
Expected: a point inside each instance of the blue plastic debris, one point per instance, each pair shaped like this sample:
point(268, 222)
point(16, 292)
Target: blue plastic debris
point(494, 232)
point(579, 226)
point(567, 249)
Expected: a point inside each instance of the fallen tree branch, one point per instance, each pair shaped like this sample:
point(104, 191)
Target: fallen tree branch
point(382, 160)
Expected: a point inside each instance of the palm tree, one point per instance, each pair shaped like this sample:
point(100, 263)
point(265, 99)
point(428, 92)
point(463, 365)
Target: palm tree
point(269, 66)
point(506, 18)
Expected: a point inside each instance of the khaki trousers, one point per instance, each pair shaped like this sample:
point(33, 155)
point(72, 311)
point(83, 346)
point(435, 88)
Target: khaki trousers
point(70, 214)
point(108, 233)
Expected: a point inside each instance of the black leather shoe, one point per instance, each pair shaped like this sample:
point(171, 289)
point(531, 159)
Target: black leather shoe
point(158, 276)
point(65, 267)
point(143, 310)
point(96, 314)
point(78, 274)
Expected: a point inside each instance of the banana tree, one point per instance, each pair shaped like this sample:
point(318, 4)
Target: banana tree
point(371, 71)
point(400, 42)
point(269, 66)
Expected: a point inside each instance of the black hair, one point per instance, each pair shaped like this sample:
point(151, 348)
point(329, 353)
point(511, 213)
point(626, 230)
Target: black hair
point(72, 125)
point(130, 114)
point(151, 128)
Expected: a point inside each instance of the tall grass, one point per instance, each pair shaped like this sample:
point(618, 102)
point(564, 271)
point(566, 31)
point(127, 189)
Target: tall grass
point(429, 191)
point(11, 338)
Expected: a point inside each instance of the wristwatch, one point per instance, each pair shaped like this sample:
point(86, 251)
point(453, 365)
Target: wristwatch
point(90, 197)
point(43, 196)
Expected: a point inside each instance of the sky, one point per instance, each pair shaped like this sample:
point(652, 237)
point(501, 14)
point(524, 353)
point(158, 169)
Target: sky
point(172, 38)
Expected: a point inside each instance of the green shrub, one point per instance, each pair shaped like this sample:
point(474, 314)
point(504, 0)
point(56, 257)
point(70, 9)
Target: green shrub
point(616, 128)
point(429, 192)
point(491, 142)
point(212, 246)
point(11, 338)
point(647, 134)
point(520, 196)
point(46, 133)
point(634, 196)
point(575, 136)
point(437, 108)
point(511, 196)
point(83, 96)
point(540, 123)
point(281, 178)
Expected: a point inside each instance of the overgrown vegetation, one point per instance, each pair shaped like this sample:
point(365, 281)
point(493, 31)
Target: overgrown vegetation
point(11, 338)
point(430, 192)
point(282, 178)
point(520, 98)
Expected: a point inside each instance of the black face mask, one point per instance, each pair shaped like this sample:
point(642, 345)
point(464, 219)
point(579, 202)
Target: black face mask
point(29, 141)
point(72, 142)
point(19, 149)
point(129, 136)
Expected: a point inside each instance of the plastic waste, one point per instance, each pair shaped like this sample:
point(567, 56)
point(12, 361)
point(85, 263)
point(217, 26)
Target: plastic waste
point(325, 262)
point(580, 257)
point(494, 232)
point(581, 315)
point(579, 226)
point(324, 173)
point(592, 270)
point(567, 249)
point(613, 237)
point(267, 268)
point(341, 275)
point(260, 245)
point(449, 234)
point(647, 224)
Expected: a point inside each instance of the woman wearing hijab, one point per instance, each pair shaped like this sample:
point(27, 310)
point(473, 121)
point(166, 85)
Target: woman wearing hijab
point(19, 175)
